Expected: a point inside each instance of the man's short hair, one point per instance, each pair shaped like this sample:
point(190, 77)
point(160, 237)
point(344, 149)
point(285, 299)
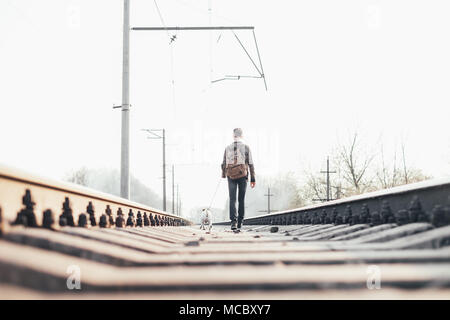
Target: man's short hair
point(237, 132)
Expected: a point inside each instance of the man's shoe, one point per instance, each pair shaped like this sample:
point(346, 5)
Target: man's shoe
point(239, 224)
point(233, 225)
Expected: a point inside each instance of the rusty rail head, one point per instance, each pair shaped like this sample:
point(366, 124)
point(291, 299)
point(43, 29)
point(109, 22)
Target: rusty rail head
point(33, 201)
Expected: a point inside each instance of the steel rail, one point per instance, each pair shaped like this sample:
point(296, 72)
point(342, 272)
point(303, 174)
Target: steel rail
point(425, 201)
point(36, 201)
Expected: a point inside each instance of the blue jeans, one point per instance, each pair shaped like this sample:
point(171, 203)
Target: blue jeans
point(239, 185)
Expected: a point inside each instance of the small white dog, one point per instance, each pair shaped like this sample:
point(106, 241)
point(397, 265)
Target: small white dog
point(206, 221)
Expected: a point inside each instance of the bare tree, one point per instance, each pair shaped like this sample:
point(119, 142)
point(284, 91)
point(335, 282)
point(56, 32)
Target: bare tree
point(285, 190)
point(356, 163)
point(410, 174)
point(359, 170)
point(79, 176)
point(316, 186)
point(405, 170)
point(388, 175)
point(107, 180)
point(397, 171)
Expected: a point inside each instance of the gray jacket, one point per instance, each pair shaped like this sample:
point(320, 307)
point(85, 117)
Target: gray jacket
point(243, 156)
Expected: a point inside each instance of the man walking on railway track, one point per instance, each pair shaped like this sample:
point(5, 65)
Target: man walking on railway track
point(236, 166)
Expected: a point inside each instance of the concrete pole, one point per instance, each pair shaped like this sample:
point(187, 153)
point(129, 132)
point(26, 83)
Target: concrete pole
point(125, 138)
point(164, 168)
point(329, 195)
point(178, 199)
point(173, 189)
point(210, 43)
point(328, 178)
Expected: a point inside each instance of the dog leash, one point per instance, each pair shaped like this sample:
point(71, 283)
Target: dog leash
point(214, 196)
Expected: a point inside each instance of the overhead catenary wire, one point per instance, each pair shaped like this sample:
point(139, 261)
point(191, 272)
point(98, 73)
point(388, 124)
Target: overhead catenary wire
point(259, 69)
point(210, 28)
point(172, 64)
point(197, 9)
point(238, 77)
point(161, 18)
point(259, 58)
point(245, 50)
point(210, 14)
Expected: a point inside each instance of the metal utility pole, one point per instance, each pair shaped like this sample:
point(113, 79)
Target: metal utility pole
point(164, 168)
point(328, 198)
point(268, 195)
point(125, 107)
point(125, 136)
point(173, 189)
point(268, 199)
point(178, 199)
point(163, 137)
point(328, 178)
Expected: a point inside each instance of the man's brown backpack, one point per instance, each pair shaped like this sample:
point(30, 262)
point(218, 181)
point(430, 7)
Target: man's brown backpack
point(236, 171)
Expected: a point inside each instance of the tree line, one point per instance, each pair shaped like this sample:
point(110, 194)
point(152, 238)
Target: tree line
point(358, 166)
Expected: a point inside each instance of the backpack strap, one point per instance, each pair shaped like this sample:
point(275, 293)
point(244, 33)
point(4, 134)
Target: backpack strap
point(247, 160)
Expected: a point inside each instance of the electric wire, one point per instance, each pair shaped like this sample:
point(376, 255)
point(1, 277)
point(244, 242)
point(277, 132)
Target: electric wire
point(172, 64)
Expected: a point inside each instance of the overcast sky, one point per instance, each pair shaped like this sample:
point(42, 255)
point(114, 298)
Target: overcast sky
point(331, 66)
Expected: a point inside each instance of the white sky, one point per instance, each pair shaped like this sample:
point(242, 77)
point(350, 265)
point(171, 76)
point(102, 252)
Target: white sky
point(331, 66)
